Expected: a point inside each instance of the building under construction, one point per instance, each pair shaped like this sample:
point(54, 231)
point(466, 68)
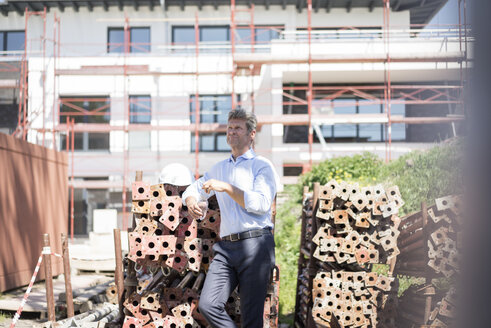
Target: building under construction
point(135, 85)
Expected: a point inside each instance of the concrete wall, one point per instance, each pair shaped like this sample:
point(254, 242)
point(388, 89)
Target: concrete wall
point(33, 201)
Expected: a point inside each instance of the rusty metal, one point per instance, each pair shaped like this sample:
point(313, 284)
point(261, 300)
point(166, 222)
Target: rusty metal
point(349, 229)
point(171, 253)
point(67, 273)
point(49, 187)
point(50, 298)
point(118, 271)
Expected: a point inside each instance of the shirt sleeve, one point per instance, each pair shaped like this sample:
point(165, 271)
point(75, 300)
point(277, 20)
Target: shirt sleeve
point(196, 190)
point(260, 198)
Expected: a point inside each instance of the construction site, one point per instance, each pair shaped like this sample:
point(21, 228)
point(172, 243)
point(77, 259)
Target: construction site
point(100, 100)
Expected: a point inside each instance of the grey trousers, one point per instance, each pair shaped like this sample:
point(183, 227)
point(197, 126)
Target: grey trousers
point(247, 263)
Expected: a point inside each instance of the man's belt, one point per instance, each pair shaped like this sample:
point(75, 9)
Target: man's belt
point(247, 234)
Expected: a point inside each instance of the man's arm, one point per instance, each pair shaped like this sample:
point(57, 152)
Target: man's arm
point(235, 193)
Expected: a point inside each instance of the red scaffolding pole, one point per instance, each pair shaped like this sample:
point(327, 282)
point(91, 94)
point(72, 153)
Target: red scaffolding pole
point(196, 99)
point(127, 42)
point(310, 91)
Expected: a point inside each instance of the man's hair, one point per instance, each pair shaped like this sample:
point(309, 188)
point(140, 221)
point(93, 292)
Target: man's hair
point(241, 114)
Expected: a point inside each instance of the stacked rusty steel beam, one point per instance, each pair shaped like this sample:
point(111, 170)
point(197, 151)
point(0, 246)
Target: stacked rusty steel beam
point(303, 291)
point(353, 228)
point(412, 303)
point(430, 243)
point(430, 240)
point(171, 253)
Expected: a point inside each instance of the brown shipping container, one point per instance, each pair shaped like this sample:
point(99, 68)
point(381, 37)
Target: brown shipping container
point(33, 201)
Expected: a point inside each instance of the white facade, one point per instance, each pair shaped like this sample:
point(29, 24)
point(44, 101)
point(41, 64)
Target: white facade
point(84, 69)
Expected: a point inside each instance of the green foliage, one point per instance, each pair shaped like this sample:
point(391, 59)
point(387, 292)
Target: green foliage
point(420, 176)
point(363, 168)
point(426, 175)
point(287, 239)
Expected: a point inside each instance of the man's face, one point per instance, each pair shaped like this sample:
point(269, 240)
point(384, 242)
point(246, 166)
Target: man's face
point(237, 134)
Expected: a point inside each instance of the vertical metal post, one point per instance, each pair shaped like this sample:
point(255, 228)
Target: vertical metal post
point(44, 75)
point(23, 81)
point(310, 91)
point(72, 205)
point(130, 282)
point(232, 43)
point(196, 99)
point(55, 19)
point(301, 258)
point(68, 277)
point(312, 265)
point(429, 290)
point(118, 273)
point(127, 41)
point(50, 297)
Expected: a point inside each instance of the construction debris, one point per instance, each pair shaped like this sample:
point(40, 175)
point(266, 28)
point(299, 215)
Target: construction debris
point(172, 253)
point(412, 307)
point(352, 229)
point(430, 243)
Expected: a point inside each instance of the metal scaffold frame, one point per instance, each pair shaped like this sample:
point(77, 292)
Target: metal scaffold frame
point(407, 94)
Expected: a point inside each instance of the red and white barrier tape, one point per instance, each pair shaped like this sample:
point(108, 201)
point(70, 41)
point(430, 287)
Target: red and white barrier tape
point(46, 250)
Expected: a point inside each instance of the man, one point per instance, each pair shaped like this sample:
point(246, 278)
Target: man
point(245, 185)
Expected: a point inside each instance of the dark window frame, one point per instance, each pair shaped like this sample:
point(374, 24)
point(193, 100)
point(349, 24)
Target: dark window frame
point(110, 44)
point(302, 130)
point(200, 31)
point(85, 136)
point(256, 27)
point(136, 116)
point(3, 46)
point(215, 135)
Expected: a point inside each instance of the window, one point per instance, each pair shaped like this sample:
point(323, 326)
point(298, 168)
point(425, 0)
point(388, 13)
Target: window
point(345, 132)
point(12, 40)
point(261, 34)
point(294, 102)
point(94, 110)
point(140, 113)
point(370, 132)
point(213, 109)
point(140, 109)
point(139, 40)
point(186, 34)
point(209, 142)
point(398, 129)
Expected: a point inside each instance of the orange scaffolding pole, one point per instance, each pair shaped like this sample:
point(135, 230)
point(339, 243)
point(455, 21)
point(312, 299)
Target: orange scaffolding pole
point(56, 43)
point(196, 99)
point(232, 43)
point(310, 91)
point(43, 78)
point(127, 41)
point(72, 205)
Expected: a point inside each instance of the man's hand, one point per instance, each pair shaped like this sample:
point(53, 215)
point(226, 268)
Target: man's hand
point(220, 186)
point(193, 209)
point(216, 185)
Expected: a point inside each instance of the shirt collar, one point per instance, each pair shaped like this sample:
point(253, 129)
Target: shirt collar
point(247, 155)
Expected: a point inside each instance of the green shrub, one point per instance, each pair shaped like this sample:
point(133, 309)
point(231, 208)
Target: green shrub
point(363, 168)
point(420, 176)
point(426, 175)
point(287, 239)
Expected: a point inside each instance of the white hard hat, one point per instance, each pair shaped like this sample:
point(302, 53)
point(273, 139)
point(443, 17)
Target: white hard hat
point(176, 174)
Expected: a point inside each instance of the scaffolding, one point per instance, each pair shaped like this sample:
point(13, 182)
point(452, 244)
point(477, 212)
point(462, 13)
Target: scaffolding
point(245, 61)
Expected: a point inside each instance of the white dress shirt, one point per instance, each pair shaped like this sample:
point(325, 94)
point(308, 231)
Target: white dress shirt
point(256, 177)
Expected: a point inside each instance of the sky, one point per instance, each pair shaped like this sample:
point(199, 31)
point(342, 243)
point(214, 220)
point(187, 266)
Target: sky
point(449, 14)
